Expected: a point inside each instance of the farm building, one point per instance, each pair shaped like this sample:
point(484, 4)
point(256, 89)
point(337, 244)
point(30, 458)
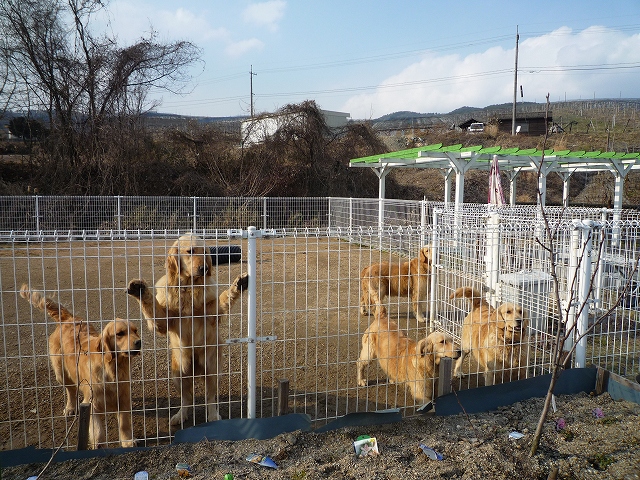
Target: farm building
point(467, 123)
point(256, 130)
point(530, 123)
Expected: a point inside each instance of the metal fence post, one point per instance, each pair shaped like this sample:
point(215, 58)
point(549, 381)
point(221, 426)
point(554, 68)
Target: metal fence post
point(283, 397)
point(37, 214)
point(572, 280)
point(492, 258)
point(195, 215)
point(264, 212)
point(119, 215)
point(251, 328)
point(444, 380)
point(435, 265)
point(423, 221)
point(84, 415)
point(584, 288)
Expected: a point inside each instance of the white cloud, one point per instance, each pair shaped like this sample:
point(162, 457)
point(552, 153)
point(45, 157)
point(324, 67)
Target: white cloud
point(441, 83)
point(236, 49)
point(181, 23)
point(131, 20)
point(266, 14)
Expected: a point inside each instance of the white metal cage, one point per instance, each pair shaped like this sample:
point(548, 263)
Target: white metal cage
point(308, 327)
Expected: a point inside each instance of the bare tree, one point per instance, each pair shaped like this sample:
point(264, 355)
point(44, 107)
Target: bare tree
point(6, 86)
point(89, 87)
point(567, 335)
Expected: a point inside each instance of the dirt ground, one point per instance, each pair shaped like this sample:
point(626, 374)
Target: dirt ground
point(473, 447)
point(308, 304)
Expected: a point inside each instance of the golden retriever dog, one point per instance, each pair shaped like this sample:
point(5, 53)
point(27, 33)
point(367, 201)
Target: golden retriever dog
point(96, 363)
point(494, 336)
point(186, 308)
point(403, 359)
point(407, 279)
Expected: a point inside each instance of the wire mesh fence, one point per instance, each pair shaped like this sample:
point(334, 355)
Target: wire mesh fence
point(308, 301)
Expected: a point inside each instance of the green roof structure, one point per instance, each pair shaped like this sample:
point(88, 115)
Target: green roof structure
point(456, 159)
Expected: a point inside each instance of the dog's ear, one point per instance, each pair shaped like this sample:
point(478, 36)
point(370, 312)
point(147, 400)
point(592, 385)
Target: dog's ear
point(107, 344)
point(424, 347)
point(208, 263)
point(381, 311)
point(425, 253)
point(173, 262)
point(502, 315)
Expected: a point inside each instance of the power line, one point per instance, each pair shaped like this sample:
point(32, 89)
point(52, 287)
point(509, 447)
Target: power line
point(413, 52)
point(415, 83)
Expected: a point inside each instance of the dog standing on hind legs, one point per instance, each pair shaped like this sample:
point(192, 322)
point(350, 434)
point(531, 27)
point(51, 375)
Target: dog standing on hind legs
point(186, 308)
point(96, 363)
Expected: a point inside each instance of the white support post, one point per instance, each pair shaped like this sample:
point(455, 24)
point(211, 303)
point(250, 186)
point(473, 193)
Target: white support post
point(447, 187)
point(565, 191)
point(571, 280)
point(543, 167)
point(119, 215)
point(37, 214)
point(382, 173)
point(350, 213)
point(423, 221)
point(599, 274)
point(542, 188)
point(617, 209)
point(566, 176)
point(264, 212)
point(459, 200)
point(460, 165)
point(251, 328)
point(492, 258)
point(195, 215)
point(584, 287)
point(512, 187)
point(435, 265)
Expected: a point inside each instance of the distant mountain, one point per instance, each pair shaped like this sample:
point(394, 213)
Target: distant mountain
point(465, 110)
point(403, 115)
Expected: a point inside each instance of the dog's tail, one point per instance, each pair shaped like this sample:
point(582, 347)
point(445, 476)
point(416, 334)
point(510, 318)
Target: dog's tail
point(475, 298)
point(381, 313)
point(53, 309)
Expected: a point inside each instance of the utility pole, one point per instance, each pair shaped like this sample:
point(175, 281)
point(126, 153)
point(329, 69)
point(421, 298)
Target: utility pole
point(515, 88)
point(251, 74)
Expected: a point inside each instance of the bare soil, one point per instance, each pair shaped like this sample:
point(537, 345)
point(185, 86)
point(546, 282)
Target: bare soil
point(473, 447)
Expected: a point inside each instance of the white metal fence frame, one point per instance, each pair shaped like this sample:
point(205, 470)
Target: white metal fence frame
point(317, 270)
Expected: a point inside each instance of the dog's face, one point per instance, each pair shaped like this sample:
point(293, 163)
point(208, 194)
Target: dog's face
point(121, 338)
point(511, 319)
point(425, 256)
point(189, 258)
point(439, 345)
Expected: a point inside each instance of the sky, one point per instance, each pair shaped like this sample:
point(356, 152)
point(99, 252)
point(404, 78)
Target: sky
point(371, 58)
